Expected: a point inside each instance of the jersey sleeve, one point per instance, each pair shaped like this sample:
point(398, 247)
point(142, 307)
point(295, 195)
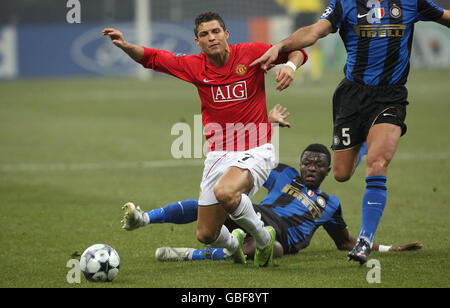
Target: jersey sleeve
point(167, 62)
point(334, 14)
point(428, 11)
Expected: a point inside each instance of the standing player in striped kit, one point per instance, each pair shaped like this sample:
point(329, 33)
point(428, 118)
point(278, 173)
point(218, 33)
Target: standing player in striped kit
point(233, 103)
point(370, 103)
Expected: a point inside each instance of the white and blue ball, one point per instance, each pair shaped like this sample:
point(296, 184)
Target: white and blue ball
point(100, 262)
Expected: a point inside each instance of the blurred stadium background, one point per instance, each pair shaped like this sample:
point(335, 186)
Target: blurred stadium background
point(37, 41)
point(80, 136)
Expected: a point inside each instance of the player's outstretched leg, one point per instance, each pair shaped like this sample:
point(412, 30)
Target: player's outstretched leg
point(264, 257)
point(133, 217)
point(238, 256)
point(174, 254)
point(191, 254)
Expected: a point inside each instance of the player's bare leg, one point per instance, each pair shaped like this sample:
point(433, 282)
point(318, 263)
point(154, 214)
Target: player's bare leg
point(344, 163)
point(230, 190)
point(211, 231)
point(230, 187)
point(209, 222)
point(382, 143)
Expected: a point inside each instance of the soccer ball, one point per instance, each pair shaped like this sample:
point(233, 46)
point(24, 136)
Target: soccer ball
point(100, 262)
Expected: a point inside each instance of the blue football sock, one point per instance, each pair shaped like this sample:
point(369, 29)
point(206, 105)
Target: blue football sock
point(373, 204)
point(181, 212)
point(362, 152)
point(210, 254)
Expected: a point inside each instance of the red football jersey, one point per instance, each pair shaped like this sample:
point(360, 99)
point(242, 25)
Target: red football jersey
point(233, 99)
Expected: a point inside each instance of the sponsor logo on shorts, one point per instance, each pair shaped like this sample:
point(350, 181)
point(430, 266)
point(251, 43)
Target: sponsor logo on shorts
point(336, 140)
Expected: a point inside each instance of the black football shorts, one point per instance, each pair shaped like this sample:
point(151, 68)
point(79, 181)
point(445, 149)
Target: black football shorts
point(356, 108)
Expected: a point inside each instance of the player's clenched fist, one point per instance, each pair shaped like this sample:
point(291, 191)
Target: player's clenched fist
point(116, 37)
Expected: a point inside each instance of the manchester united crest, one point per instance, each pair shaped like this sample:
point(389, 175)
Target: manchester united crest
point(241, 69)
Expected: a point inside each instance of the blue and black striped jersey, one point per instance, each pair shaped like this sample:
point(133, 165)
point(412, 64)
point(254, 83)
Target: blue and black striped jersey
point(298, 210)
point(378, 36)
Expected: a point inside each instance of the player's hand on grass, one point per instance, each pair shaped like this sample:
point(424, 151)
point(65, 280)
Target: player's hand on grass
point(266, 60)
point(116, 37)
point(407, 247)
point(284, 77)
point(279, 114)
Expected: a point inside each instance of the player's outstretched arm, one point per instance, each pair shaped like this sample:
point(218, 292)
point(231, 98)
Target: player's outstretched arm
point(445, 19)
point(407, 247)
point(302, 38)
point(134, 51)
point(344, 241)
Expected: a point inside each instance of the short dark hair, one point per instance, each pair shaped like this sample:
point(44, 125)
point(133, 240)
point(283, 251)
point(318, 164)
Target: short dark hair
point(205, 17)
point(317, 147)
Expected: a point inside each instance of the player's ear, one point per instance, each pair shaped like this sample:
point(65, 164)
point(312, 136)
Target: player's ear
point(227, 34)
point(196, 41)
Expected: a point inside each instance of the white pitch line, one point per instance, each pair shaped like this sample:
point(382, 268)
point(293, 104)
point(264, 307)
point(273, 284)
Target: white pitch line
point(99, 166)
point(30, 167)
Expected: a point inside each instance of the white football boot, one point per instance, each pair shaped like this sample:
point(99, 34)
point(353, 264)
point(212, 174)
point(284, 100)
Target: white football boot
point(133, 217)
point(174, 254)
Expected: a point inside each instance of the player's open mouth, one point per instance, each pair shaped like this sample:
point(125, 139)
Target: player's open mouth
point(310, 178)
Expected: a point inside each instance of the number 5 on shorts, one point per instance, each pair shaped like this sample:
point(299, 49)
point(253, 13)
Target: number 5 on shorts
point(346, 136)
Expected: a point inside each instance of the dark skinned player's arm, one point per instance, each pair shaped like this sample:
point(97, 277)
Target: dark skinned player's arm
point(344, 241)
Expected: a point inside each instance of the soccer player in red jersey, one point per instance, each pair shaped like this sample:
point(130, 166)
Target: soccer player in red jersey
point(237, 129)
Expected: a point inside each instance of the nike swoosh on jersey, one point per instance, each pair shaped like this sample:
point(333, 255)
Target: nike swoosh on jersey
point(361, 16)
point(206, 80)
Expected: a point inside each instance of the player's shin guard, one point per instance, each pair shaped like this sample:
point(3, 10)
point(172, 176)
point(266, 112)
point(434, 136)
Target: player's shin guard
point(181, 212)
point(225, 240)
point(246, 217)
point(373, 204)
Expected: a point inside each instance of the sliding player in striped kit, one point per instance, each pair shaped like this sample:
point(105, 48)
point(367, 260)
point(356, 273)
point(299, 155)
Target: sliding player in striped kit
point(370, 103)
point(294, 206)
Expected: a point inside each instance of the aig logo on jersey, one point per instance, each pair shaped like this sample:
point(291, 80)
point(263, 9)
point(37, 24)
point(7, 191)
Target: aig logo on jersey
point(232, 92)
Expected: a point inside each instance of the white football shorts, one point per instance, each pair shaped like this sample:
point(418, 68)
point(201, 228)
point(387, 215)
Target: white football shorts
point(259, 161)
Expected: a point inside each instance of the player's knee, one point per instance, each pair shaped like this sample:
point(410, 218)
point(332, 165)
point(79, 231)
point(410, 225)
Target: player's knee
point(377, 166)
point(225, 195)
point(206, 237)
point(342, 175)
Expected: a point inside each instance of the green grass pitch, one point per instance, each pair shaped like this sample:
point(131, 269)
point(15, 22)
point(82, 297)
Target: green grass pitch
point(73, 151)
